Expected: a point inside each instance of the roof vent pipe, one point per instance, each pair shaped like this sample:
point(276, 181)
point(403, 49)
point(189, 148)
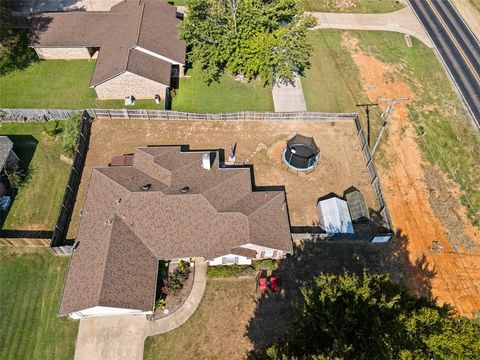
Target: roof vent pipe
point(206, 161)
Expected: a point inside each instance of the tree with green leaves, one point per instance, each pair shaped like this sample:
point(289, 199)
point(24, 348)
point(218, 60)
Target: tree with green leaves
point(370, 317)
point(253, 38)
point(14, 51)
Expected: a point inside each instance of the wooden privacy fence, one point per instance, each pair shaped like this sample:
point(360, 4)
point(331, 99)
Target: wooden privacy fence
point(236, 116)
point(61, 227)
point(144, 114)
point(40, 115)
point(37, 115)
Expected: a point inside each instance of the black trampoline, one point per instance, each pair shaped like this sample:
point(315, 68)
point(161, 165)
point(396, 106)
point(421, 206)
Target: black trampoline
point(301, 153)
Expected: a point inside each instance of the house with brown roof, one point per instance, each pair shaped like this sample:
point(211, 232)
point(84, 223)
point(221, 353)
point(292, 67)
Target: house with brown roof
point(166, 203)
point(135, 44)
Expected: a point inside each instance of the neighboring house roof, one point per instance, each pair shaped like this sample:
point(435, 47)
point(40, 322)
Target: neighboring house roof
point(125, 230)
point(6, 146)
point(147, 24)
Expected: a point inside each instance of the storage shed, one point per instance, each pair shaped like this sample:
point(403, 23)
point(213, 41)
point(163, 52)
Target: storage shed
point(334, 216)
point(356, 205)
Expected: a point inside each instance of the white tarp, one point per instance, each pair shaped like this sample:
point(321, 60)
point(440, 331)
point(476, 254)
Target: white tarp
point(334, 216)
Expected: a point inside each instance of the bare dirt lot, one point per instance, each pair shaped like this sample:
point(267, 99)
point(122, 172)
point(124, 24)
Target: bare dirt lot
point(423, 203)
point(258, 143)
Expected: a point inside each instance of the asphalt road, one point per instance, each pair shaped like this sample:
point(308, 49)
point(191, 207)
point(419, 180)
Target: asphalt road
point(457, 46)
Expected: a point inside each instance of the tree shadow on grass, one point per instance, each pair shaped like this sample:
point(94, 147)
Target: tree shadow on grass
point(18, 33)
point(274, 314)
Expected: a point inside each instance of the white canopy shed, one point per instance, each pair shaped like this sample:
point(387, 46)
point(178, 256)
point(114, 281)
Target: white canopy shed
point(334, 216)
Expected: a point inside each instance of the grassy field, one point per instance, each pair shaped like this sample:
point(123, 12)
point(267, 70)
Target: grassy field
point(332, 84)
point(38, 201)
point(49, 84)
point(216, 329)
point(64, 84)
point(358, 6)
point(476, 4)
point(61, 84)
point(31, 281)
point(227, 96)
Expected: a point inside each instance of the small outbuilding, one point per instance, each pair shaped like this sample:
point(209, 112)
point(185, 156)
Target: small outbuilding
point(356, 205)
point(334, 216)
point(301, 153)
point(7, 157)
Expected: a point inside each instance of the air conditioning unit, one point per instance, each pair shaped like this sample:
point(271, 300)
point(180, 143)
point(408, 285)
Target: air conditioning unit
point(129, 100)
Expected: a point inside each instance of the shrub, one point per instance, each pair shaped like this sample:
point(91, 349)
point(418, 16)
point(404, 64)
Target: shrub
point(70, 135)
point(175, 281)
point(15, 176)
point(223, 271)
point(269, 264)
point(51, 132)
point(160, 304)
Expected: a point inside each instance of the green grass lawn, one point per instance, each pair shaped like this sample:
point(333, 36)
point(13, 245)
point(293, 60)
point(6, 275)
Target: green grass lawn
point(332, 84)
point(227, 96)
point(359, 6)
point(216, 329)
point(37, 203)
point(31, 281)
point(61, 84)
point(49, 84)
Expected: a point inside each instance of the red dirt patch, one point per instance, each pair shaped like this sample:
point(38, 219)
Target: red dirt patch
point(412, 194)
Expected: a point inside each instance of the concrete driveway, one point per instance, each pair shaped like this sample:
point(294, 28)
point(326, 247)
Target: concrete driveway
point(25, 7)
point(123, 337)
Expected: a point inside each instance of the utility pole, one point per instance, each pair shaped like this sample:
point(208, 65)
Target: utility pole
point(367, 111)
point(386, 117)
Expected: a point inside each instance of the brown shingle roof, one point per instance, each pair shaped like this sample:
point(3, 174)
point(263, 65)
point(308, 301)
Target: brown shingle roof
point(125, 230)
point(149, 67)
point(149, 24)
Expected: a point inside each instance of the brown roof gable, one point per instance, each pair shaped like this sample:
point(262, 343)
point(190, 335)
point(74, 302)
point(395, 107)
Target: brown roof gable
point(149, 24)
point(125, 230)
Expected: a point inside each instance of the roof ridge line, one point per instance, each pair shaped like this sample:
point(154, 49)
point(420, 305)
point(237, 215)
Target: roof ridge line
point(267, 202)
point(105, 262)
point(142, 4)
point(222, 182)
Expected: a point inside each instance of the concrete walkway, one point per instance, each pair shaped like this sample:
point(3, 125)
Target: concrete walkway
point(123, 337)
point(288, 98)
point(403, 21)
